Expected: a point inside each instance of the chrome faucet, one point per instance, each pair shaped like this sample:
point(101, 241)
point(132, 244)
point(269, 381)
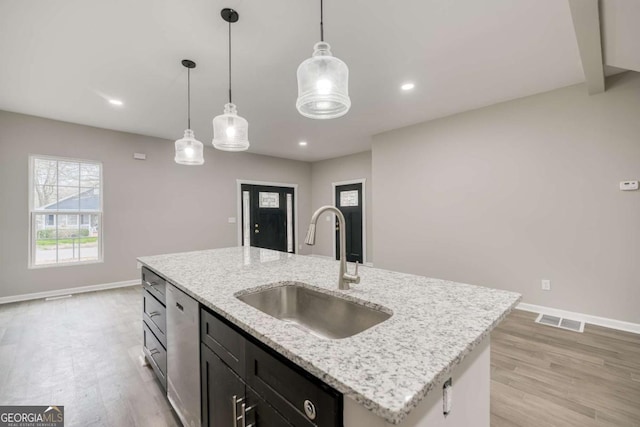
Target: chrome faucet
point(344, 276)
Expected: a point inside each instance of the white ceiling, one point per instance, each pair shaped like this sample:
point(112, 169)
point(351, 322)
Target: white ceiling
point(62, 58)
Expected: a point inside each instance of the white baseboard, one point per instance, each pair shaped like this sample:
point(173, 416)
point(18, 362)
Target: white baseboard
point(587, 318)
point(61, 292)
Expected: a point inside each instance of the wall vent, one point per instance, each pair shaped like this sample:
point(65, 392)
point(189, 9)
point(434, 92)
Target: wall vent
point(561, 322)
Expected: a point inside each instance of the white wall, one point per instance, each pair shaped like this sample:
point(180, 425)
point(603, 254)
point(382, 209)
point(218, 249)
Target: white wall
point(150, 207)
point(324, 174)
point(507, 195)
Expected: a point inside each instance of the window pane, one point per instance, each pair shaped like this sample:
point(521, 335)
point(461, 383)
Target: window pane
point(89, 240)
point(68, 199)
point(90, 199)
point(289, 222)
point(245, 218)
point(69, 174)
point(46, 241)
point(45, 172)
point(349, 198)
point(89, 175)
point(67, 242)
point(44, 196)
point(269, 200)
point(62, 190)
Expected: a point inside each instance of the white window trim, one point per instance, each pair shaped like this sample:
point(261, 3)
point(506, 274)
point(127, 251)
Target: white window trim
point(239, 183)
point(32, 212)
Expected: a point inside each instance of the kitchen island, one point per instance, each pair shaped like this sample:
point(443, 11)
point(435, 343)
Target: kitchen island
point(392, 373)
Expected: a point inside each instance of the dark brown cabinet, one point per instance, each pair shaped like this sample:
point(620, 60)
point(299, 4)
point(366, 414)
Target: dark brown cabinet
point(154, 325)
point(227, 401)
point(246, 384)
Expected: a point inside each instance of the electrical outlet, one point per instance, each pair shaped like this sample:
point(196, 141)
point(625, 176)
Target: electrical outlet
point(546, 285)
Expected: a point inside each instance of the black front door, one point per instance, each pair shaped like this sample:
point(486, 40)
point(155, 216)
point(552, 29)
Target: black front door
point(269, 223)
point(349, 201)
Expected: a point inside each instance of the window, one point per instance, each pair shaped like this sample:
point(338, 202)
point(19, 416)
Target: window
point(65, 214)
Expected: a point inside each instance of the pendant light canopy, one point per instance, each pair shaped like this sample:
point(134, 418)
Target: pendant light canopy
point(323, 82)
point(189, 149)
point(230, 131)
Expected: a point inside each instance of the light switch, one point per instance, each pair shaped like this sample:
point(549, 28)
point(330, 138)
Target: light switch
point(232, 220)
point(139, 156)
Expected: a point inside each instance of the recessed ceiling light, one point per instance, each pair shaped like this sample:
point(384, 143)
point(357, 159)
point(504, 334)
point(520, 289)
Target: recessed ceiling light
point(302, 143)
point(116, 102)
point(407, 86)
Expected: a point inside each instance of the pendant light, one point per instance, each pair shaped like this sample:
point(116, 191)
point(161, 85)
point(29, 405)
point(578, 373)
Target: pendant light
point(189, 149)
point(230, 131)
point(323, 82)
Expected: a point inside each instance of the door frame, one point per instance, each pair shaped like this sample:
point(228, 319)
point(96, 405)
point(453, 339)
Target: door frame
point(239, 183)
point(362, 181)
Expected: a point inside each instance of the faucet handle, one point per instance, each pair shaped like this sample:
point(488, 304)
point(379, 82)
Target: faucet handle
point(352, 278)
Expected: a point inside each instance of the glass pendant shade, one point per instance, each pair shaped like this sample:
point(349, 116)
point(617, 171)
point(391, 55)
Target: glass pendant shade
point(230, 131)
point(323, 85)
point(189, 151)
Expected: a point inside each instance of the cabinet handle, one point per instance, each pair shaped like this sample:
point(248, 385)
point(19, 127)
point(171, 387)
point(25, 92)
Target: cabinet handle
point(152, 284)
point(154, 351)
point(245, 411)
point(234, 403)
point(154, 313)
point(180, 307)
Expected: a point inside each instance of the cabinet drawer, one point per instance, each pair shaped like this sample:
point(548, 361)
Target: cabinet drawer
point(154, 284)
point(156, 354)
point(154, 315)
point(259, 413)
point(287, 387)
point(224, 340)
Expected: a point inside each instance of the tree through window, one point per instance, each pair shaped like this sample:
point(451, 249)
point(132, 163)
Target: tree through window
point(66, 211)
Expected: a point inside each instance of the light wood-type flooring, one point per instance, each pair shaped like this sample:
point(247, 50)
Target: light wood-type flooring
point(543, 376)
point(83, 352)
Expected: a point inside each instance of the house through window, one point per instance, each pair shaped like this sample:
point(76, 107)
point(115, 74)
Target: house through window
point(65, 211)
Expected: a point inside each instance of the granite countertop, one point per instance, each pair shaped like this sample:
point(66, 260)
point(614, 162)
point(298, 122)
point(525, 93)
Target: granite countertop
point(389, 368)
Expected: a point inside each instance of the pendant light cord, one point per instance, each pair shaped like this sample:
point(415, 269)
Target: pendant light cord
point(321, 21)
point(230, 62)
point(188, 98)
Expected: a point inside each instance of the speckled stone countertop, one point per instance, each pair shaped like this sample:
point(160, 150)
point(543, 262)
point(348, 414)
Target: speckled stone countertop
point(388, 368)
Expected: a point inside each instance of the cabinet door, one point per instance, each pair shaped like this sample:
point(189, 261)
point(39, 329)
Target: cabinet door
point(299, 397)
point(222, 391)
point(259, 413)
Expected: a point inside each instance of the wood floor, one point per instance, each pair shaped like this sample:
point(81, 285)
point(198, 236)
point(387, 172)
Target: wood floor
point(83, 353)
point(543, 376)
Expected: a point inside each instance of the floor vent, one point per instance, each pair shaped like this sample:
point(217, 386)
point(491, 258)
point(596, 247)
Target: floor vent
point(561, 322)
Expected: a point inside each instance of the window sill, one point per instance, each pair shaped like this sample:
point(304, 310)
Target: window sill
point(66, 264)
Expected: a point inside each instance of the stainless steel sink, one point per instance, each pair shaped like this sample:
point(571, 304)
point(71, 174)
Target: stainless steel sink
point(318, 313)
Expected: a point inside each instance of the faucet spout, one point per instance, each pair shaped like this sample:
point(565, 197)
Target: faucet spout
point(344, 278)
point(311, 235)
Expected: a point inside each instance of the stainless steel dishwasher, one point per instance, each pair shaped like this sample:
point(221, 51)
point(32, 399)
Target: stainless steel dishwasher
point(183, 355)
